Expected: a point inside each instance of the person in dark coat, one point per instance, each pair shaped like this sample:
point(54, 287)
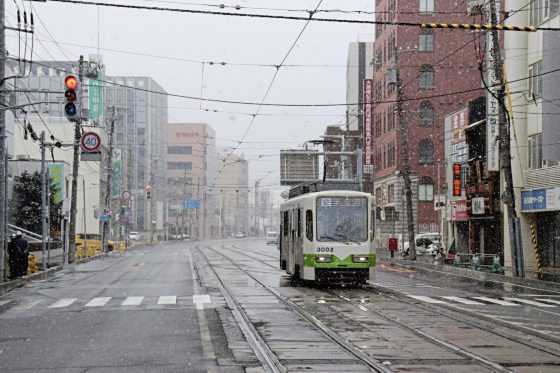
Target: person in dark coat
point(22, 257)
point(12, 256)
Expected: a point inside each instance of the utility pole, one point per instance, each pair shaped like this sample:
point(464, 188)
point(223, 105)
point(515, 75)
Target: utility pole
point(183, 204)
point(107, 206)
point(151, 202)
point(3, 150)
point(505, 151)
point(405, 171)
point(44, 202)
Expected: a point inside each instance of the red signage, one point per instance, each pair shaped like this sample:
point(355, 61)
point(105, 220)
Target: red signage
point(456, 179)
point(459, 210)
point(368, 119)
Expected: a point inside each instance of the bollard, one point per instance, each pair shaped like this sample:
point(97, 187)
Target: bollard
point(497, 265)
point(475, 264)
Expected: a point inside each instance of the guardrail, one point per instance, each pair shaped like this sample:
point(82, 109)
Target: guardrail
point(479, 262)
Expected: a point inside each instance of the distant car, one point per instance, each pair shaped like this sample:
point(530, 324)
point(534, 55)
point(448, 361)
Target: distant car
point(134, 236)
point(271, 238)
point(239, 235)
point(433, 248)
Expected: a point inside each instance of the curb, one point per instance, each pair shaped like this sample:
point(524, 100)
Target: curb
point(42, 275)
point(464, 274)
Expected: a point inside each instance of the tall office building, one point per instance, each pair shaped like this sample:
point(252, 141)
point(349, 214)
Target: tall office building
point(140, 140)
point(191, 154)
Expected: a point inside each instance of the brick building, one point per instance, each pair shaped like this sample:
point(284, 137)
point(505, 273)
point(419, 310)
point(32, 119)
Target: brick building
point(439, 73)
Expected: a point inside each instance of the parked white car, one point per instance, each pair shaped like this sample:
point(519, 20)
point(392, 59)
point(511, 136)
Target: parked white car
point(134, 236)
point(271, 238)
point(423, 241)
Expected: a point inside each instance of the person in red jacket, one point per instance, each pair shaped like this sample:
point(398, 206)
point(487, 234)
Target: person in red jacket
point(392, 246)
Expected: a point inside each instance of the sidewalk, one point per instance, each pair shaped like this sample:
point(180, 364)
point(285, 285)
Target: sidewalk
point(424, 265)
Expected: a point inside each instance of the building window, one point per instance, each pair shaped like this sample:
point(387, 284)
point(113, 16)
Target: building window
point(535, 80)
point(179, 165)
point(426, 6)
point(534, 146)
point(426, 78)
point(426, 151)
point(179, 150)
point(426, 42)
point(426, 114)
point(426, 189)
point(541, 10)
point(391, 193)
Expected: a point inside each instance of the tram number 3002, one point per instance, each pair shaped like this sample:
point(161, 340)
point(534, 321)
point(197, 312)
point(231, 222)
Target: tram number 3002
point(325, 250)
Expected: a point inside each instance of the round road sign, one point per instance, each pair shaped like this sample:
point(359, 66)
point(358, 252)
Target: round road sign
point(90, 142)
point(126, 194)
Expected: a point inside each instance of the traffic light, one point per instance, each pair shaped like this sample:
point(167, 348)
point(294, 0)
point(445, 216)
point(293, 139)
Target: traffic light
point(148, 192)
point(72, 106)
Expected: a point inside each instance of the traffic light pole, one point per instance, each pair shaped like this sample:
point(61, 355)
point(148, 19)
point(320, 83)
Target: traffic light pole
point(75, 169)
point(3, 159)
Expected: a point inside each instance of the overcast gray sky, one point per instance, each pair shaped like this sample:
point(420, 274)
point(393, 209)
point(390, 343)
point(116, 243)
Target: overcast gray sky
point(163, 43)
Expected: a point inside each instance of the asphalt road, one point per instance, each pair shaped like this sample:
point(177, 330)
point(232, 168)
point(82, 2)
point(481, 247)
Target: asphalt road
point(224, 306)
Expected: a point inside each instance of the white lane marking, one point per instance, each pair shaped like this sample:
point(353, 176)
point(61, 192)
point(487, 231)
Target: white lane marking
point(530, 302)
point(167, 299)
point(98, 302)
point(3, 302)
point(427, 299)
point(496, 301)
point(65, 302)
point(550, 300)
point(25, 305)
point(464, 300)
point(200, 299)
point(140, 253)
point(132, 301)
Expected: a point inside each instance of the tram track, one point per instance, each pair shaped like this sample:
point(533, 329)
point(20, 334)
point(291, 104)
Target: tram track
point(431, 338)
point(373, 364)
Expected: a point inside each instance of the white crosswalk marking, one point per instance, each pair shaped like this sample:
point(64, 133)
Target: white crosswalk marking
point(132, 301)
point(530, 302)
point(550, 301)
point(496, 301)
point(65, 302)
point(464, 300)
point(168, 299)
point(28, 304)
point(98, 302)
point(427, 299)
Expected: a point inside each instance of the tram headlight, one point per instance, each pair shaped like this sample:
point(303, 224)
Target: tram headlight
point(360, 258)
point(323, 258)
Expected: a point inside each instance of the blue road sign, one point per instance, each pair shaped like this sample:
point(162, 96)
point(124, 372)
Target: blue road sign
point(192, 204)
point(104, 217)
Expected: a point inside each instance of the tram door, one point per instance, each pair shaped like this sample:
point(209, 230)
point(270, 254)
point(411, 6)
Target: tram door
point(292, 240)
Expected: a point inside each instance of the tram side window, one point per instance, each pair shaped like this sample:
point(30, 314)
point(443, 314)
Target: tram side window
point(286, 226)
point(372, 233)
point(299, 222)
point(309, 225)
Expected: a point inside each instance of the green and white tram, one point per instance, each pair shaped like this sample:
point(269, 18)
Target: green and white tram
point(327, 236)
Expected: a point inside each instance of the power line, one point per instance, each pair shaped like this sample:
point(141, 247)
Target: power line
point(251, 15)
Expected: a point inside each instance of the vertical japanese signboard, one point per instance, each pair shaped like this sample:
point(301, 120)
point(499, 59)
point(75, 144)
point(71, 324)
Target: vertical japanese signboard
point(456, 179)
point(492, 106)
point(116, 173)
point(96, 97)
point(368, 119)
point(459, 147)
point(56, 173)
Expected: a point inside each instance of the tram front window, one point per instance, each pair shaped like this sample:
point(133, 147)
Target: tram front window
point(342, 219)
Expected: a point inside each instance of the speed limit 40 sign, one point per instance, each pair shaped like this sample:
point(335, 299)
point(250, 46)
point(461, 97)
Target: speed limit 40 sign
point(90, 142)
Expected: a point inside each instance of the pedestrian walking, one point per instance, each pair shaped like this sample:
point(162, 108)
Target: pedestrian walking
point(392, 244)
point(12, 256)
point(22, 255)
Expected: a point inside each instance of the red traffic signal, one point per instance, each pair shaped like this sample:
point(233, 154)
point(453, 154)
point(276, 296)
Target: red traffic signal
point(71, 82)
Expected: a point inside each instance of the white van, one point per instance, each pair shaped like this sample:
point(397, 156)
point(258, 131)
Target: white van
point(271, 238)
point(423, 240)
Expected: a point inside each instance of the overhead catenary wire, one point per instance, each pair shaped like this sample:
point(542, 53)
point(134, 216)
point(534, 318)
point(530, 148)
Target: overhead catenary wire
point(256, 15)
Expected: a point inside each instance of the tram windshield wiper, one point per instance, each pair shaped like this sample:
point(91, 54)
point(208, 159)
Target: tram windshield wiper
point(333, 238)
point(347, 238)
